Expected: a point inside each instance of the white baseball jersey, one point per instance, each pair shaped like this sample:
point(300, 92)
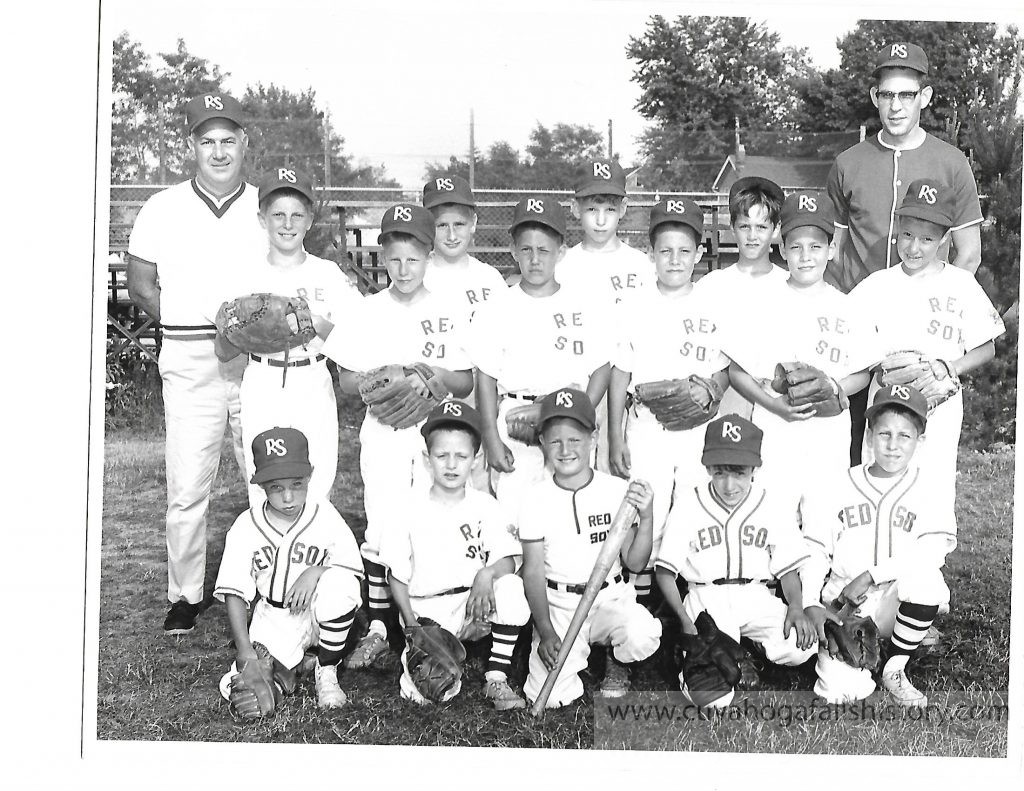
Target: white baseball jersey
point(468, 283)
point(260, 558)
point(705, 540)
point(433, 547)
point(572, 524)
point(883, 525)
point(203, 250)
point(535, 345)
point(607, 275)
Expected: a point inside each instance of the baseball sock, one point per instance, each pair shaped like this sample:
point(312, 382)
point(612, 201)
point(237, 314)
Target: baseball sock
point(378, 597)
point(503, 641)
point(333, 634)
point(643, 583)
point(912, 622)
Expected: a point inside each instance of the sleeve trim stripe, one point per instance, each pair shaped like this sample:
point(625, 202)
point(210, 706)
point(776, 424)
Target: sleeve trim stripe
point(791, 566)
point(840, 225)
point(667, 566)
point(815, 541)
point(967, 224)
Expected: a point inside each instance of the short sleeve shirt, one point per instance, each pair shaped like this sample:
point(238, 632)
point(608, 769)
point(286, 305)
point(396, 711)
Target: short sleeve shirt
point(610, 276)
point(469, 283)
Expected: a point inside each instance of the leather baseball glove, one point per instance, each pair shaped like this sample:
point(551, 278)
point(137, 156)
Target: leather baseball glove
point(394, 393)
point(254, 691)
point(265, 323)
point(805, 384)
point(711, 667)
point(523, 423)
point(857, 641)
point(680, 404)
point(434, 658)
point(935, 378)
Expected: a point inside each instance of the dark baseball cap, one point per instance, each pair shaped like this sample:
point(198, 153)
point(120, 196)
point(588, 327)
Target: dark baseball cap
point(287, 179)
point(808, 208)
point(601, 177)
point(213, 105)
point(408, 218)
point(930, 200)
point(568, 402)
point(768, 186)
point(908, 397)
point(448, 189)
point(543, 209)
point(280, 453)
point(454, 412)
point(901, 55)
point(681, 210)
point(732, 440)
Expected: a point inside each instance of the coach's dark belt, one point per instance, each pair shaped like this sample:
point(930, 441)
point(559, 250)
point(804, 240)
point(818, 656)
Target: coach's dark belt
point(449, 592)
point(290, 364)
point(578, 589)
point(279, 604)
point(522, 396)
point(735, 581)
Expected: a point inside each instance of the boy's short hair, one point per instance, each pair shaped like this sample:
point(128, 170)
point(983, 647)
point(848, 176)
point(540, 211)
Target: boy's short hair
point(286, 192)
point(752, 191)
point(655, 232)
point(536, 226)
point(397, 237)
point(896, 409)
point(452, 425)
point(601, 198)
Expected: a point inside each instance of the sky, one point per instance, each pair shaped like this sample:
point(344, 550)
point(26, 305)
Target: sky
point(400, 78)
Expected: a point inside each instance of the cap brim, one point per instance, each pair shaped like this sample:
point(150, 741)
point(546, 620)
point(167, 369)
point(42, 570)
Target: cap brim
point(263, 195)
point(236, 120)
point(809, 221)
point(874, 409)
point(587, 424)
point(538, 221)
point(440, 199)
point(600, 188)
point(925, 213)
point(413, 232)
point(688, 220)
point(290, 469)
point(738, 456)
point(897, 64)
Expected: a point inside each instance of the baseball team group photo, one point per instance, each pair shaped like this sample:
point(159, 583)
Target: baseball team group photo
point(690, 429)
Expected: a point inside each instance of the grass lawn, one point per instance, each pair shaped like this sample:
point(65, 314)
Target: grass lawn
point(153, 687)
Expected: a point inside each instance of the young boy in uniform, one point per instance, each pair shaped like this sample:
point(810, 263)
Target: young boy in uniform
point(668, 332)
point(930, 306)
point(880, 538)
point(755, 206)
point(808, 321)
point(402, 324)
point(296, 389)
point(562, 524)
point(728, 538)
point(530, 340)
point(300, 556)
point(452, 554)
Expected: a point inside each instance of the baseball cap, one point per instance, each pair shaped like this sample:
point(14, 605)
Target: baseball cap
point(901, 55)
point(543, 209)
point(408, 218)
point(681, 210)
point(447, 189)
point(280, 453)
point(808, 207)
point(456, 412)
point(767, 185)
point(930, 200)
point(601, 177)
point(568, 402)
point(732, 440)
point(901, 395)
point(286, 178)
point(213, 105)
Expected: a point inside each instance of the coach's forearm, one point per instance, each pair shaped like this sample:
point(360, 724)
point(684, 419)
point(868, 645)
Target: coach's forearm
point(967, 243)
point(143, 287)
point(975, 358)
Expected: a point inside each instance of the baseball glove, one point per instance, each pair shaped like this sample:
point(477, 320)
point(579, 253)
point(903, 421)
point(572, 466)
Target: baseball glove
point(856, 642)
point(434, 658)
point(805, 384)
point(265, 323)
point(523, 423)
point(392, 393)
point(711, 667)
point(934, 378)
point(254, 691)
point(680, 404)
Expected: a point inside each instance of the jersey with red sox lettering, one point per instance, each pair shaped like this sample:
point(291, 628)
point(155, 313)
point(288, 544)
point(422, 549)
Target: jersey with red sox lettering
point(302, 398)
point(609, 276)
point(943, 314)
point(391, 332)
point(469, 283)
point(665, 337)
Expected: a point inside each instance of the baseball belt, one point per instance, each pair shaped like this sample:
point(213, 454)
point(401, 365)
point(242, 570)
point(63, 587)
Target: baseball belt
point(290, 364)
point(522, 396)
point(448, 592)
point(732, 581)
point(578, 589)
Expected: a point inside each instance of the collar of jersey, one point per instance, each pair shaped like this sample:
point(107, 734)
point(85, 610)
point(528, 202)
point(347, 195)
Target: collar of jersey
point(217, 205)
point(566, 489)
point(716, 498)
point(883, 144)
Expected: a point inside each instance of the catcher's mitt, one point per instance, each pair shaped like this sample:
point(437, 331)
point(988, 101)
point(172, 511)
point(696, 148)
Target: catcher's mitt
point(711, 667)
point(434, 658)
point(523, 423)
point(265, 323)
point(856, 642)
point(936, 379)
point(254, 691)
point(680, 404)
point(393, 397)
point(805, 384)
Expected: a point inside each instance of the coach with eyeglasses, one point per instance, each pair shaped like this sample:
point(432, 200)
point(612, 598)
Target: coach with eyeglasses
point(868, 181)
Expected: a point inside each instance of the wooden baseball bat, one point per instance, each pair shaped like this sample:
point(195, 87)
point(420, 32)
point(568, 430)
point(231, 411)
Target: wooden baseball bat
point(611, 547)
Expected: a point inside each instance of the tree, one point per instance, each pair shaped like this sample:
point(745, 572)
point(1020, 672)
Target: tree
point(556, 154)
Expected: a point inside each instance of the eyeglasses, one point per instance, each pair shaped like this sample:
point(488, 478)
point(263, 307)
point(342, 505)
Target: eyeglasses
point(905, 96)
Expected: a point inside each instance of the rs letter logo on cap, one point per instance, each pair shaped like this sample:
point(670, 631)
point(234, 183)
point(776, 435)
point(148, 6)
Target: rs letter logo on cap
point(928, 194)
point(564, 398)
point(402, 213)
point(535, 205)
point(213, 102)
point(898, 51)
point(901, 392)
point(732, 431)
point(276, 447)
point(807, 203)
point(444, 184)
point(283, 174)
point(451, 408)
point(602, 171)
point(675, 207)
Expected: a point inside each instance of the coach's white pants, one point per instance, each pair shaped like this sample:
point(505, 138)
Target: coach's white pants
point(306, 402)
point(615, 619)
point(201, 397)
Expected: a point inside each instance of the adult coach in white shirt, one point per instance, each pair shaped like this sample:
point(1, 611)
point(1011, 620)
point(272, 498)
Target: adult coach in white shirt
point(188, 244)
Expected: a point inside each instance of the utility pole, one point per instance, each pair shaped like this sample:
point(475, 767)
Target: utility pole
point(610, 149)
point(472, 150)
point(327, 150)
